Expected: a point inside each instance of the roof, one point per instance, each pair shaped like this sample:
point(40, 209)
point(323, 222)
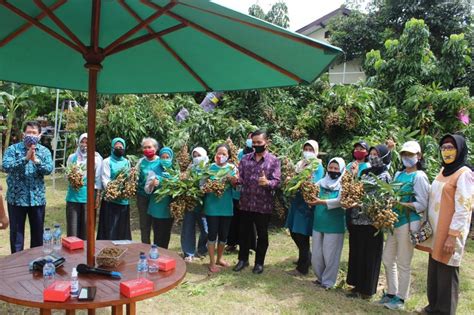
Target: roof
point(322, 21)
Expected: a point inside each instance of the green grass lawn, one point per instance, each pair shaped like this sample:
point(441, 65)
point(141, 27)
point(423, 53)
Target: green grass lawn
point(272, 292)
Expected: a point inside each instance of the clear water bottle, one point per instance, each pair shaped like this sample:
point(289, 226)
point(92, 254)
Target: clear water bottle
point(153, 259)
point(142, 266)
point(49, 272)
point(74, 284)
point(57, 237)
point(47, 241)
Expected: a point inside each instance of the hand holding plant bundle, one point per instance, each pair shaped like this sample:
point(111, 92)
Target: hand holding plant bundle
point(303, 181)
point(216, 182)
point(124, 186)
point(352, 191)
point(75, 175)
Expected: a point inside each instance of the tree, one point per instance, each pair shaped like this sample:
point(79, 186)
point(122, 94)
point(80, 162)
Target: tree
point(18, 99)
point(277, 15)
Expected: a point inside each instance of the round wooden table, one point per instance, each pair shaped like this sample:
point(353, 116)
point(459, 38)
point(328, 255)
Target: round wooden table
point(20, 286)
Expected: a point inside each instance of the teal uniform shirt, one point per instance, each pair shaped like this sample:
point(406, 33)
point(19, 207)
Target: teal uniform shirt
point(145, 166)
point(329, 220)
point(300, 215)
point(362, 166)
point(407, 181)
point(223, 205)
point(117, 166)
point(80, 195)
point(160, 209)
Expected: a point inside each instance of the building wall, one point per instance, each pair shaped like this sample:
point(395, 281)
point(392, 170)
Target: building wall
point(353, 69)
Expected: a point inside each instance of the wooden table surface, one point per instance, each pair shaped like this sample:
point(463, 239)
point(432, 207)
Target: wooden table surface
point(20, 286)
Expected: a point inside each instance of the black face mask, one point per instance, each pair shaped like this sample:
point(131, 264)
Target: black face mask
point(259, 148)
point(334, 175)
point(119, 152)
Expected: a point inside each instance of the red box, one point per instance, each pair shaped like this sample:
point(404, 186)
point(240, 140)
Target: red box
point(72, 242)
point(58, 291)
point(166, 263)
point(135, 287)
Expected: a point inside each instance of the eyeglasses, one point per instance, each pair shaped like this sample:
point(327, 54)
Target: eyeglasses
point(445, 147)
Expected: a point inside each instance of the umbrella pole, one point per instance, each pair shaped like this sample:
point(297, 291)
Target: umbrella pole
point(91, 114)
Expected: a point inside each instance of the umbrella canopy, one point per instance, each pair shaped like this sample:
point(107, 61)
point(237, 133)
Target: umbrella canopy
point(148, 46)
point(153, 47)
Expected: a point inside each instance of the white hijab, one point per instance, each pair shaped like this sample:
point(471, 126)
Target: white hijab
point(301, 165)
point(81, 157)
point(202, 152)
point(334, 184)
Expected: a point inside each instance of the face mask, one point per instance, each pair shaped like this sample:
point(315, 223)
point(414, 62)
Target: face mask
point(222, 159)
point(83, 149)
point(259, 148)
point(334, 175)
point(119, 152)
point(149, 153)
point(449, 156)
point(409, 161)
point(248, 143)
point(309, 155)
point(30, 140)
point(166, 163)
point(376, 161)
point(360, 155)
point(198, 160)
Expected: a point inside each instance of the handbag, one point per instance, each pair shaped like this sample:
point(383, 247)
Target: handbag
point(424, 232)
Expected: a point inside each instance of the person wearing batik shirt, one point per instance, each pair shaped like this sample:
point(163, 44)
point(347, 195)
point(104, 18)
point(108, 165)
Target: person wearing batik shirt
point(259, 175)
point(26, 164)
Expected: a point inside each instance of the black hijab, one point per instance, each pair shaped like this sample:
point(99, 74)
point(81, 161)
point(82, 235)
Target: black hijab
point(461, 155)
point(386, 156)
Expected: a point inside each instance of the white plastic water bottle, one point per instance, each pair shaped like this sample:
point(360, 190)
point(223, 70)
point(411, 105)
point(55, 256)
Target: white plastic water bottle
point(47, 241)
point(74, 284)
point(49, 272)
point(153, 259)
point(57, 237)
point(142, 266)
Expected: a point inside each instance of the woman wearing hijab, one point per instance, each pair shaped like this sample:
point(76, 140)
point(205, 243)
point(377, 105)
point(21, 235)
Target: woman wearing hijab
point(149, 161)
point(233, 239)
point(398, 251)
point(329, 226)
point(76, 199)
point(365, 244)
point(191, 218)
point(160, 211)
point(114, 218)
point(449, 213)
point(300, 215)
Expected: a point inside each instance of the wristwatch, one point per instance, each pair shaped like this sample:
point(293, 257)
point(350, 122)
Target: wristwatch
point(37, 161)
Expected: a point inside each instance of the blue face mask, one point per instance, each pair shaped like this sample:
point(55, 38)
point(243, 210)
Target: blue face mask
point(248, 143)
point(30, 140)
point(166, 163)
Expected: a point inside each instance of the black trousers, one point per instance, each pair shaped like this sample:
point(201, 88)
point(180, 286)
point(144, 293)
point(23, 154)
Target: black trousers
point(233, 239)
point(114, 222)
point(442, 287)
point(304, 254)
point(218, 228)
point(247, 221)
point(365, 257)
point(18, 216)
point(162, 232)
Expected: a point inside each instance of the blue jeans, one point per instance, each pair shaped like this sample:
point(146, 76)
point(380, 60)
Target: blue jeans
point(188, 233)
point(17, 216)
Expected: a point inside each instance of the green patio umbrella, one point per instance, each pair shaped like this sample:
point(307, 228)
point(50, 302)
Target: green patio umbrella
point(148, 46)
